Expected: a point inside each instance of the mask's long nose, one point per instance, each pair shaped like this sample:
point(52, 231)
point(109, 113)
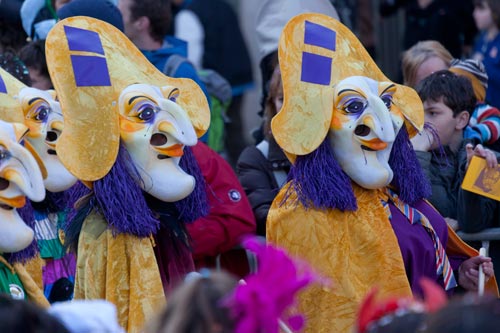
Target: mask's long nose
point(375, 129)
point(175, 122)
point(25, 173)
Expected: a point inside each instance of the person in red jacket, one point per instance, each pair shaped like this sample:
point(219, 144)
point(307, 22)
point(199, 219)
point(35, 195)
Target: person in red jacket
point(229, 218)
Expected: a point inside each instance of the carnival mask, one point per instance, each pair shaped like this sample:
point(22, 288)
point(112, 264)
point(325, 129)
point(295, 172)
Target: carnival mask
point(154, 130)
point(112, 96)
point(364, 125)
point(43, 116)
point(333, 90)
point(20, 177)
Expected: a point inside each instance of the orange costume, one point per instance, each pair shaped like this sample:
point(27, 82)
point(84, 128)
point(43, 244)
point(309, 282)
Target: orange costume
point(340, 110)
point(114, 100)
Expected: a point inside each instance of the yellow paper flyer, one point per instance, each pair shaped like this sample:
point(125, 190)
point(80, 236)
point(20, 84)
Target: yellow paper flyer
point(482, 180)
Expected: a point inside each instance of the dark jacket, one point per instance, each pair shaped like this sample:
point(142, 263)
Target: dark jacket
point(446, 173)
point(256, 175)
point(439, 21)
point(225, 50)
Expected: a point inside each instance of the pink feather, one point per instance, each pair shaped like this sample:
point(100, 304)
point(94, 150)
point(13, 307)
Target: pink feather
point(269, 295)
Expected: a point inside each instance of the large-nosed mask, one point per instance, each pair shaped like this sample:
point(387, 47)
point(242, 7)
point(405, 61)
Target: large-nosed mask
point(41, 113)
point(43, 116)
point(332, 88)
point(20, 177)
point(155, 130)
point(364, 125)
point(111, 95)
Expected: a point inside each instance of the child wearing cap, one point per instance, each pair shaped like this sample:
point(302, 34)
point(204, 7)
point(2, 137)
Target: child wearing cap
point(484, 122)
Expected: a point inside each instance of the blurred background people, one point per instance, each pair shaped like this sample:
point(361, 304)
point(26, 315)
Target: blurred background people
point(487, 45)
point(263, 169)
point(212, 30)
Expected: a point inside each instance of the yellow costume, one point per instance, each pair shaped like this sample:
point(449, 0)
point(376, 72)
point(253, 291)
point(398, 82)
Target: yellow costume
point(326, 239)
point(111, 96)
point(340, 119)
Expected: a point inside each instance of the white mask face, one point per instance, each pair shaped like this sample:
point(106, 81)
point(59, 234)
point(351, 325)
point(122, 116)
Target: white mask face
point(43, 116)
point(155, 129)
point(364, 126)
point(20, 177)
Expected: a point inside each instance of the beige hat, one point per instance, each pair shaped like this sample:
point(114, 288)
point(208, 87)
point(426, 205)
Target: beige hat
point(91, 62)
point(272, 16)
point(316, 52)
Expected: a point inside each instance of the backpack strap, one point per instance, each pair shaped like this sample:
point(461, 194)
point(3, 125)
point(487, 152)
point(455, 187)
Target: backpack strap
point(173, 63)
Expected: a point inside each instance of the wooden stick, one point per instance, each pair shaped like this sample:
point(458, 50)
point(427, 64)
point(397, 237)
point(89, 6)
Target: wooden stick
point(480, 289)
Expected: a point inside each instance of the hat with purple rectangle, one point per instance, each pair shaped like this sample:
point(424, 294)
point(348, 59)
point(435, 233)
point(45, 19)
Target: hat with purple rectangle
point(315, 53)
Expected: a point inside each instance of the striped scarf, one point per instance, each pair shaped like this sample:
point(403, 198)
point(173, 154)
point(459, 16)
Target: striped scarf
point(443, 266)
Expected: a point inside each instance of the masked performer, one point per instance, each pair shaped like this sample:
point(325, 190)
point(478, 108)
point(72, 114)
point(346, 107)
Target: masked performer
point(354, 207)
point(20, 178)
point(41, 113)
point(125, 135)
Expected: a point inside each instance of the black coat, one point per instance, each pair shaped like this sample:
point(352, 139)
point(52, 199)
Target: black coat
point(256, 174)
point(450, 22)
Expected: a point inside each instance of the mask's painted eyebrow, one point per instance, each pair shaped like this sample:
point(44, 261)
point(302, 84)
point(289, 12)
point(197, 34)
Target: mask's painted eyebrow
point(138, 96)
point(33, 100)
point(174, 93)
point(347, 90)
point(389, 87)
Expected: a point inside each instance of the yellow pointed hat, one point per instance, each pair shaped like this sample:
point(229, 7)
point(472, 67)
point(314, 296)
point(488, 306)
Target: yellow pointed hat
point(315, 53)
point(10, 108)
point(90, 63)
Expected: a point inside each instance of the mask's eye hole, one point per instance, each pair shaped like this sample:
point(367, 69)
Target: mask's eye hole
point(4, 153)
point(39, 111)
point(387, 99)
point(146, 112)
point(42, 113)
point(354, 105)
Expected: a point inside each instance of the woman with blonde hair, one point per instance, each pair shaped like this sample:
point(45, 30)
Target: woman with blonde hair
point(423, 59)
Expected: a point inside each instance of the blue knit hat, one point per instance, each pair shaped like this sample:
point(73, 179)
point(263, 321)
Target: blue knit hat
point(103, 10)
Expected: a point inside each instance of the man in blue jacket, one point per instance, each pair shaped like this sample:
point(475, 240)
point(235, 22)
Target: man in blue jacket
point(146, 24)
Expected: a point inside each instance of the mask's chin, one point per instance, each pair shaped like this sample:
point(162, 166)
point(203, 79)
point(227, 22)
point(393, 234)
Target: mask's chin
point(376, 178)
point(371, 170)
point(15, 235)
point(166, 181)
point(58, 177)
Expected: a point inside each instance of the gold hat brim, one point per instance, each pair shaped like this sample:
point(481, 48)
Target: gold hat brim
point(10, 108)
point(11, 111)
point(304, 119)
point(89, 95)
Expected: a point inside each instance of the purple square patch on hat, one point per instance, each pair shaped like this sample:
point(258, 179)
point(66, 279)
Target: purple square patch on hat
point(3, 88)
point(83, 40)
point(90, 71)
point(316, 68)
point(318, 35)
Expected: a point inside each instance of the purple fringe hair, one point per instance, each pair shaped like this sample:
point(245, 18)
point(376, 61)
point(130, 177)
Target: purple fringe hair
point(53, 202)
point(440, 152)
point(76, 192)
point(195, 205)
point(120, 199)
point(409, 178)
point(319, 181)
point(28, 216)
